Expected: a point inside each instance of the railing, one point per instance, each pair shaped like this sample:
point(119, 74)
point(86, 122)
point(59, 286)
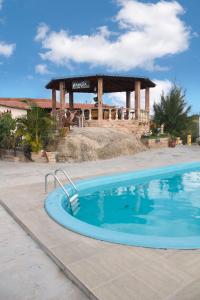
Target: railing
point(67, 176)
point(72, 200)
point(143, 116)
point(55, 180)
point(116, 114)
point(109, 114)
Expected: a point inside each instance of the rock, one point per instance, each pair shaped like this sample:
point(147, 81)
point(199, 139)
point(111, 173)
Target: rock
point(93, 143)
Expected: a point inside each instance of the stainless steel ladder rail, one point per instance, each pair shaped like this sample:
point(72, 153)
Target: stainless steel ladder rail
point(56, 179)
point(67, 176)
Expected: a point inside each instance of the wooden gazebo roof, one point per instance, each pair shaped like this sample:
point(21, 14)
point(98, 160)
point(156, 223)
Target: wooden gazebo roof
point(111, 83)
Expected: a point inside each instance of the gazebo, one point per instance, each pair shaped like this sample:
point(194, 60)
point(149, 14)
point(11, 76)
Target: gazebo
point(101, 84)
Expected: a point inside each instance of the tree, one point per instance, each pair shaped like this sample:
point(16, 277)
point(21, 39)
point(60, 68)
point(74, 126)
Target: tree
point(36, 128)
point(7, 127)
point(172, 111)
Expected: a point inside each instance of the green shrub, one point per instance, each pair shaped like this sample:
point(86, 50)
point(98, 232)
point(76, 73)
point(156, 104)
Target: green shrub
point(173, 112)
point(37, 128)
point(7, 127)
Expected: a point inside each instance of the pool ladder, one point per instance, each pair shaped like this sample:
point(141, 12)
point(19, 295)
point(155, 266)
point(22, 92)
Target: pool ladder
point(72, 200)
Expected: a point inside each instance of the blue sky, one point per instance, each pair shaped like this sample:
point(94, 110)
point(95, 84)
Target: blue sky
point(43, 39)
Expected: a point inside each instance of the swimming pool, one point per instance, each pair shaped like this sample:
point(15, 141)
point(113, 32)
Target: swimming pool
point(157, 208)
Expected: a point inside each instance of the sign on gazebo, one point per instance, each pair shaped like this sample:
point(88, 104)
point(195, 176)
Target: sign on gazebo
point(77, 85)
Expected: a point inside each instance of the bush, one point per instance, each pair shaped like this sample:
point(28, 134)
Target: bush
point(7, 127)
point(37, 128)
point(173, 112)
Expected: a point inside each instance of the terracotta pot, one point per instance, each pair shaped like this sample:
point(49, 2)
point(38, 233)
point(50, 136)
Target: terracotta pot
point(172, 143)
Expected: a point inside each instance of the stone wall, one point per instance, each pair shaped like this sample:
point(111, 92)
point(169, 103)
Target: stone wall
point(133, 126)
point(156, 143)
point(11, 155)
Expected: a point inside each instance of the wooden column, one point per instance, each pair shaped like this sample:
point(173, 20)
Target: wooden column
point(71, 100)
point(147, 99)
point(128, 99)
point(90, 114)
point(116, 114)
point(62, 95)
point(53, 101)
point(100, 99)
point(122, 112)
point(137, 99)
point(109, 114)
point(128, 104)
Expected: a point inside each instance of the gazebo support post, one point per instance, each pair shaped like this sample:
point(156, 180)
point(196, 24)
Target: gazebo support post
point(147, 100)
point(100, 99)
point(128, 100)
point(128, 104)
point(71, 100)
point(53, 101)
point(62, 95)
point(137, 99)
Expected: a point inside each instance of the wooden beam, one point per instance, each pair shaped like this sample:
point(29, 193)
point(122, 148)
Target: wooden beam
point(71, 100)
point(62, 95)
point(53, 101)
point(100, 99)
point(137, 98)
point(147, 99)
point(128, 99)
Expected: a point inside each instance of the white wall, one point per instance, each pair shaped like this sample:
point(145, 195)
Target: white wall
point(16, 112)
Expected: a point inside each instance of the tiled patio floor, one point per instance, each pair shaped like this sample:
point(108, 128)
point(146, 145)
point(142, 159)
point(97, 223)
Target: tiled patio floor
point(102, 270)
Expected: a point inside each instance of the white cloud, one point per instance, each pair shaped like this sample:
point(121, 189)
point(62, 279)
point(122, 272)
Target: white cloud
point(42, 69)
point(146, 32)
point(161, 86)
point(119, 99)
point(42, 31)
point(6, 49)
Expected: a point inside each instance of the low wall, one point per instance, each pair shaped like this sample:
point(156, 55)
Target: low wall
point(17, 156)
point(156, 143)
point(11, 155)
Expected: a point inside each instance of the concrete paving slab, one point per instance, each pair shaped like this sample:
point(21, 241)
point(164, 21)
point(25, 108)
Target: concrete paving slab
point(127, 287)
point(102, 270)
point(26, 273)
point(190, 291)
point(162, 277)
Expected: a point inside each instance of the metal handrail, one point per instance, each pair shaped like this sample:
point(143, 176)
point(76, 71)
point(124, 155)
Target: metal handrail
point(67, 176)
point(55, 180)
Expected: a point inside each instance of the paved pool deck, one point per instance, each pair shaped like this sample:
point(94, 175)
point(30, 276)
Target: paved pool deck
point(102, 270)
point(26, 272)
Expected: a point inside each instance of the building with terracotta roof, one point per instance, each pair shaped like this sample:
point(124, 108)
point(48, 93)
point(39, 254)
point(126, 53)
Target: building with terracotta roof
point(18, 106)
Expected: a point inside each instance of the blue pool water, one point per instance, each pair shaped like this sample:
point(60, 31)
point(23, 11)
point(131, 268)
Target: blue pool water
point(153, 208)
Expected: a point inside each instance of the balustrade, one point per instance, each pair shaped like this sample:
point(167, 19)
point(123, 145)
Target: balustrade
point(115, 114)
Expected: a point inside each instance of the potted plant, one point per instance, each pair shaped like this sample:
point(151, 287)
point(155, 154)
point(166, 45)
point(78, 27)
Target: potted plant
point(172, 142)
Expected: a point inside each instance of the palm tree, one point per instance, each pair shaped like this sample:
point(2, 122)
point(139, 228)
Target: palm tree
point(37, 128)
point(172, 111)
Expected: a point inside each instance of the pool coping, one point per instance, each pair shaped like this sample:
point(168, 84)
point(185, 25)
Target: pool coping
point(57, 212)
